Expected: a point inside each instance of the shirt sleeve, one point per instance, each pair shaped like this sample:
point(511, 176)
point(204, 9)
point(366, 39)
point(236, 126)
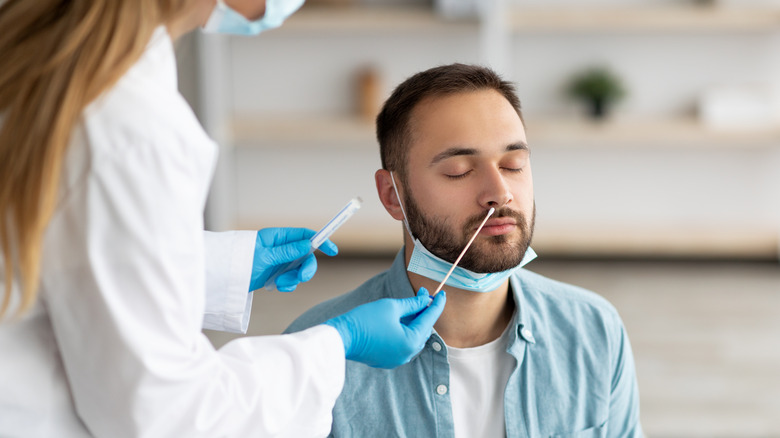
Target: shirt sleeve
point(229, 257)
point(124, 274)
point(624, 401)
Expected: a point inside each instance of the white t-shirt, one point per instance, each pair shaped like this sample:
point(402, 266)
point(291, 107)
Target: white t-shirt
point(478, 377)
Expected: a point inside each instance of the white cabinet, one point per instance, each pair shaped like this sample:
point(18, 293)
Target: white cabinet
point(653, 180)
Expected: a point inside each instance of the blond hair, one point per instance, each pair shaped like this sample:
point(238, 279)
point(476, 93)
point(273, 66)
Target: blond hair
point(56, 56)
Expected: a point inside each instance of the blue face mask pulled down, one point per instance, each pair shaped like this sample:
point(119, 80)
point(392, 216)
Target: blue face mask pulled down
point(225, 19)
point(425, 263)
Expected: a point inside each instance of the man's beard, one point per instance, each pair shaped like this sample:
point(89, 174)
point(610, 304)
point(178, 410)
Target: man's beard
point(494, 254)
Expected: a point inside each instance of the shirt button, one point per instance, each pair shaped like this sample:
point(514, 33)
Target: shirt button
point(436, 346)
point(441, 389)
point(528, 335)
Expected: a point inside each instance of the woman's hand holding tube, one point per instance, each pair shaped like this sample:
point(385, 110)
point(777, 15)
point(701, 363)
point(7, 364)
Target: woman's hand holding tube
point(276, 246)
point(387, 333)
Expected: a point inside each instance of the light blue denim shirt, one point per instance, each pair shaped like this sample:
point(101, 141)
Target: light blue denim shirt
point(574, 375)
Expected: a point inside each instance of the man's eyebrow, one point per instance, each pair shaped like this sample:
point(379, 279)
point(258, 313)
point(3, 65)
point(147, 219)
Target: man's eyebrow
point(455, 151)
point(452, 152)
point(519, 146)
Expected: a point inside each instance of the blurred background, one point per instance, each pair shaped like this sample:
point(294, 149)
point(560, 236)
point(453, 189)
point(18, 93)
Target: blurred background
point(654, 127)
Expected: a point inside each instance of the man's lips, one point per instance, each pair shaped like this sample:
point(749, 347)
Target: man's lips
point(498, 226)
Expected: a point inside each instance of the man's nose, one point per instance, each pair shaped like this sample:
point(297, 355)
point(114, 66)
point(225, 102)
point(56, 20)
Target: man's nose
point(495, 190)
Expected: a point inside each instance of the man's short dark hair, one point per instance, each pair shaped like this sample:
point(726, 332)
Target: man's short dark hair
point(393, 122)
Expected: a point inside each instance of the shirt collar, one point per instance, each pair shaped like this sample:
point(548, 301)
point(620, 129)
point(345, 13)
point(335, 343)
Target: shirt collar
point(522, 321)
point(400, 287)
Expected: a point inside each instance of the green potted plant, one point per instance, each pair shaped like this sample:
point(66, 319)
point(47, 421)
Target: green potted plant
point(598, 87)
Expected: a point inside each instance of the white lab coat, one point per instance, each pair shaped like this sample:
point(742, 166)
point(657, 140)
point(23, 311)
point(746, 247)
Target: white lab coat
point(114, 346)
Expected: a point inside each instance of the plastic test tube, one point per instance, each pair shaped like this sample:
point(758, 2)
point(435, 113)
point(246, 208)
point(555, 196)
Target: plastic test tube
point(318, 239)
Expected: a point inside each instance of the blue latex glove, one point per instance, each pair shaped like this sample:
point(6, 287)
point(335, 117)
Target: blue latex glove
point(277, 246)
point(389, 332)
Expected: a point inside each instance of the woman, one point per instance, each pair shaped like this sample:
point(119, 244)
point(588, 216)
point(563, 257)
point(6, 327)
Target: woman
point(107, 272)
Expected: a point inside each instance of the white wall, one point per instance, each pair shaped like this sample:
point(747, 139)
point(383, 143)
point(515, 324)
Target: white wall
point(646, 184)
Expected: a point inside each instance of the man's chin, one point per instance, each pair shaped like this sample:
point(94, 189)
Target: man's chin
point(487, 262)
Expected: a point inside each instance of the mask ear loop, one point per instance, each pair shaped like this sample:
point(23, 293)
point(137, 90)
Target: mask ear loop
point(406, 221)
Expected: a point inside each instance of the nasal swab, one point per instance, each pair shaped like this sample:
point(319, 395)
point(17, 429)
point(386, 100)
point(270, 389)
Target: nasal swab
point(490, 212)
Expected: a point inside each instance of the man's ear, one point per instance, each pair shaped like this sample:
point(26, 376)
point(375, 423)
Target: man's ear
point(384, 188)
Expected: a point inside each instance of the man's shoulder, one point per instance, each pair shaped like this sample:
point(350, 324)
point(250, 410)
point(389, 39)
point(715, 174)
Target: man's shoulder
point(545, 291)
point(371, 290)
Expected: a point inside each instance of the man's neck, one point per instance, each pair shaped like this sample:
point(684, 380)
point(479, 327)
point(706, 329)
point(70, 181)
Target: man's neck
point(470, 318)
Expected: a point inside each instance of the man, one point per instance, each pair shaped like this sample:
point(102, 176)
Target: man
point(514, 354)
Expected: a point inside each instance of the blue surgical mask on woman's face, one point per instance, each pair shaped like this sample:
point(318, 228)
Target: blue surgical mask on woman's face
point(225, 19)
point(425, 263)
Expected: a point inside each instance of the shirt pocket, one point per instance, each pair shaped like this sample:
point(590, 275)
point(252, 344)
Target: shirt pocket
point(592, 432)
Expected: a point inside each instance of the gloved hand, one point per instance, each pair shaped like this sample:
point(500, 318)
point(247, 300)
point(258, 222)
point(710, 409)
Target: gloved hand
point(387, 333)
point(277, 246)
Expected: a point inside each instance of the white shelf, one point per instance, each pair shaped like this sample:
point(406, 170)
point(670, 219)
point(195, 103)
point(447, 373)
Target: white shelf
point(259, 130)
point(669, 133)
point(705, 241)
point(645, 18)
point(690, 18)
point(663, 133)
point(572, 241)
point(352, 19)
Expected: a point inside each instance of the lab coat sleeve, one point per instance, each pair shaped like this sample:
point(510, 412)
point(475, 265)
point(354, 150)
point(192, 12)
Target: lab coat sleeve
point(127, 302)
point(229, 257)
